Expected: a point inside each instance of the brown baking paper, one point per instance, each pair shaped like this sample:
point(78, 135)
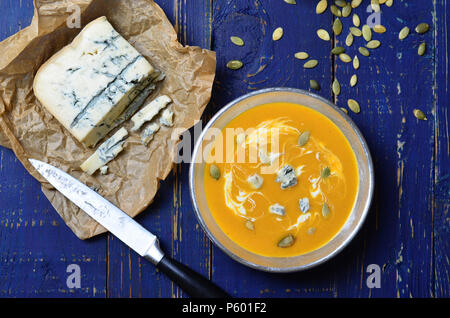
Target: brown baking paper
point(32, 132)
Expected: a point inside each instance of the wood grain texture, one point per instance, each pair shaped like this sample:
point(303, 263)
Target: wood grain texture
point(407, 230)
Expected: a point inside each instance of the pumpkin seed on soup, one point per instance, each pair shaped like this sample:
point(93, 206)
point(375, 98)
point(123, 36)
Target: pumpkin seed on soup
point(304, 138)
point(250, 225)
point(286, 241)
point(214, 172)
point(325, 173)
point(325, 210)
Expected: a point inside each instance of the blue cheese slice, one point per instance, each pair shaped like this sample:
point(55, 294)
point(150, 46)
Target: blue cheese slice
point(304, 205)
point(287, 177)
point(166, 118)
point(105, 152)
point(148, 112)
point(91, 81)
point(277, 209)
point(255, 181)
point(149, 132)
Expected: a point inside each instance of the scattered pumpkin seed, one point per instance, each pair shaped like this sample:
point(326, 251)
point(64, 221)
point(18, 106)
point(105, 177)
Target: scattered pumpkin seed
point(364, 51)
point(290, 1)
point(347, 10)
point(355, 31)
point(354, 106)
point(367, 32)
point(335, 10)
point(356, 62)
point(311, 231)
point(422, 49)
point(345, 58)
point(356, 3)
point(314, 85)
point(311, 64)
point(340, 3)
point(344, 110)
point(336, 87)
point(337, 26)
point(381, 1)
point(250, 225)
point(356, 20)
point(422, 28)
point(353, 80)
point(277, 34)
point(303, 139)
point(338, 50)
point(325, 173)
point(373, 44)
point(379, 29)
point(323, 34)
point(349, 40)
point(234, 64)
point(389, 3)
point(403, 33)
point(301, 55)
point(286, 241)
point(237, 40)
point(419, 114)
point(214, 172)
point(375, 4)
point(325, 210)
point(321, 6)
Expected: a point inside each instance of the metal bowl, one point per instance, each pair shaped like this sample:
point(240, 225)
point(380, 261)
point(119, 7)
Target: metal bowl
point(354, 221)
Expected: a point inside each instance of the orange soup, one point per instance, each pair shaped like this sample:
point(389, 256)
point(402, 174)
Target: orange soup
point(281, 180)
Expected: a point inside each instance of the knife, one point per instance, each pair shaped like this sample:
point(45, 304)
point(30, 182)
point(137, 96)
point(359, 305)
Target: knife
point(128, 231)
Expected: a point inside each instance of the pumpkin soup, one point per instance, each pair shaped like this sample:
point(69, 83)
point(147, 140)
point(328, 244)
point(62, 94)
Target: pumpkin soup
point(286, 182)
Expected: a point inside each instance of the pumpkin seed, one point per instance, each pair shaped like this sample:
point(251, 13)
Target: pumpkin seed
point(419, 114)
point(356, 62)
point(323, 34)
point(353, 80)
point(422, 28)
point(335, 10)
point(381, 1)
point(234, 64)
point(338, 50)
point(290, 1)
point(367, 32)
point(325, 210)
point(344, 110)
point(311, 64)
point(337, 26)
point(237, 40)
point(379, 29)
point(303, 139)
point(340, 3)
point(314, 85)
point(311, 231)
point(373, 44)
point(214, 172)
point(349, 40)
point(355, 31)
point(286, 241)
point(375, 4)
point(325, 173)
point(389, 3)
point(345, 58)
point(356, 20)
point(422, 49)
point(364, 51)
point(354, 106)
point(301, 55)
point(336, 87)
point(403, 33)
point(356, 3)
point(347, 10)
point(250, 225)
point(321, 6)
point(277, 34)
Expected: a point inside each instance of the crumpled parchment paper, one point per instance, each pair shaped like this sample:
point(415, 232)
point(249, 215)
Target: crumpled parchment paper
point(31, 132)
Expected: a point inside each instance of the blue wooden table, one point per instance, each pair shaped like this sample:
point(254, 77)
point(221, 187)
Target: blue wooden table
point(407, 230)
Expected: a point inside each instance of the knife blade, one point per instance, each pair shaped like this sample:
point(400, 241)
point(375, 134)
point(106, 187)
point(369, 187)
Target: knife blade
point(127, 230)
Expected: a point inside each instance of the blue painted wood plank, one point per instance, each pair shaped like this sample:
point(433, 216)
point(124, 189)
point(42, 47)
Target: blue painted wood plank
point(442, 169)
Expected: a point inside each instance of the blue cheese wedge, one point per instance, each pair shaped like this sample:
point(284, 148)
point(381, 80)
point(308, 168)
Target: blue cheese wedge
point(287, 177)
point(304, 205)
point(255, 181)
point(166, 118)
point(148, 112)
point(88, 84)
point(277, 209)
point(149, 132)
point(105, 152)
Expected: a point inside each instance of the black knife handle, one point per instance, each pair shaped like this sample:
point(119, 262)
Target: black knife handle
point(191, 282)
